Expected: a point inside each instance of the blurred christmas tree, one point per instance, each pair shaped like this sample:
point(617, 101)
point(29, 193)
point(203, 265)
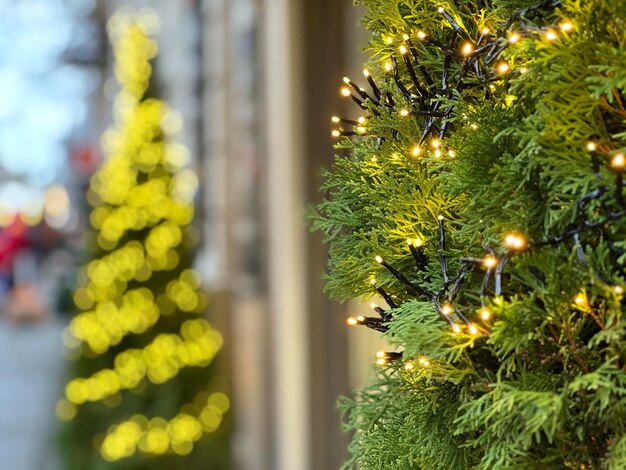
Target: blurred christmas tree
point(144, 395)
point(482, 199)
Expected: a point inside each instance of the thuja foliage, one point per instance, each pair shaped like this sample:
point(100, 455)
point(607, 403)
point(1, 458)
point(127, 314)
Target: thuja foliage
point(528, 142)
point(144, 393)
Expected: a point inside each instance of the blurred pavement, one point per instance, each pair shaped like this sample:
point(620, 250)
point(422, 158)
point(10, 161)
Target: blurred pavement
point(31, 371)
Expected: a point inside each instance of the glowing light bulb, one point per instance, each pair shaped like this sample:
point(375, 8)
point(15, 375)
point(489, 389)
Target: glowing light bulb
point(335, 133)
point(447, 309)
point(345, 91)
point(361, 120)
point(467, 49)
point(421, 34)
point(513, 38)
point(579, 299)
point(503, 67)
point(567, 26)
point(361, 130)
point(346, 80)
point(619, 290)
point(550, 35)
point(388, 67)
point(405, 37)
point(485, 313)
point(404, 112)
point(523, 70)
point(366, 73)
point(360, 318)
point(437, 153)
point(374, 159)
point(485, 31)
point(380, 354)
point(474, 126)
point(451, 153)
point(373, 306)
point(403, 50)
point(473, 330)
point(440, 218)
point(515, 242)
point(440, 9)
point(416, 151)
point(351, 321)
point(489, 262)
point(389, 40)
point(381, 362)
point(591, 146)
point(408, 366)
point(379, 259)
point(335, 119)
point(436, 143)
point(456, 328)
point(618, 161)
point(373, 281)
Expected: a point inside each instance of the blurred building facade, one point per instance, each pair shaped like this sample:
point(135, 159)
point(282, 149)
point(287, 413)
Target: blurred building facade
point(256, 82)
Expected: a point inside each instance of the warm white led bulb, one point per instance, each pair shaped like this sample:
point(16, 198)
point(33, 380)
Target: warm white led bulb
point(416, 150)
point(514, 241)
point(456, 328)
point(345, 91)
point(402, 49)
point(351, 321)
point(388, 67)
point(591, 146)
point(485, 313)
point(566, 26)
point(379, 259)
point(473, 330)
point(513, 38)
point(366, 73)
point(447, 309)
point(618, 161)
point(421, 34)
point(503, 67)
point(404, 112)
point(550, 35)
point(346, 80)
point(335, 119)
point(489, 262)
point(335, 133)
point(467, 48)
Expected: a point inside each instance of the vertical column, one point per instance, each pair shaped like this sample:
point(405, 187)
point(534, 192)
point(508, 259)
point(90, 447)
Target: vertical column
point(282, 51)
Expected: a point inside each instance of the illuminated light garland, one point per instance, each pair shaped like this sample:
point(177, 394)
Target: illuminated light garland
point(144, 189)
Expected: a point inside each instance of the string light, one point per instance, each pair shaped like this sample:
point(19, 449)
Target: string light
point(404, 112)
point(447, 309)
point(473, 330)
point(345, 91)
point(351, 321)
point(379, 259)
point(485, 313)
point(503, 67)
point(489, 262)
point(514, 37)
point(416, 151)
point(467, 49)
point(437, 153)
point(514, 241)
point(591, 146)
point(366, 73)
point(408, 366)
point(550, 35)
point(436, 143)
point(421, 34)
point(485, 30)
point(619, 290)
point(618, 161)
point(580, 299)
point(335, 119)
point(388, 67)
point(389, 40)
point(424, 362)
point(456, 328)
point(403, 50)
point(566, 26)
point(335, 133)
